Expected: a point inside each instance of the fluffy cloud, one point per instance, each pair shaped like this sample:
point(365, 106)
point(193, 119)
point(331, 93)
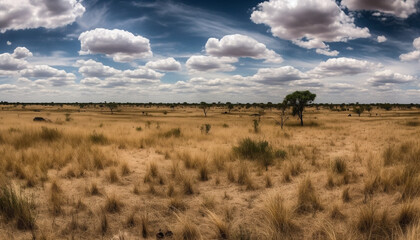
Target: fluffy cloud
point(308, 23)
point(388, 77)
point(25, 14)
point(342, 66)
point(210, 63)
point(168, 65)
point(278, 76)
point(315, 20)
point(399, 8)
point(7, 87)
point(381, 39)
point(9, 63)
point(48, 75)
point(21, 52)
point(238, 45)
point(91, 68)
point(143, 73)
point(414, 55)
point(340, 87)
point(122, 46)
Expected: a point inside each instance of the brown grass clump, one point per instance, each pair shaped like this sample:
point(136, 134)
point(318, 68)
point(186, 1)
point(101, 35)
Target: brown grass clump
point(177, 204)
point(307, 198)
point(113, 175)
point(278, 218)
point(113, 204)
point(222, 228)
point(373, 224)
point(345, 195)
point(188, 185)
point(56, 198)
point(408, 215)
point(93, 189)
point(186, 229)
point(16, 207)
point(124, 168)
point(339, 165)
point(104, 224)
point(203, 171)
point(145, 226)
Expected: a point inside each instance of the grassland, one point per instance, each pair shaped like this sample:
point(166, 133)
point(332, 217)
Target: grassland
point(90, 174)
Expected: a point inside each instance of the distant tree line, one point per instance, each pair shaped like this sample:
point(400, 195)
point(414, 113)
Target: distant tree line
point(228, 105)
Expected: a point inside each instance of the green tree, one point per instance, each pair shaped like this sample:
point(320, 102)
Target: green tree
point(205, 107)
point(229, 106)
point(112, 106)
point(298, 101)
point(359, 110)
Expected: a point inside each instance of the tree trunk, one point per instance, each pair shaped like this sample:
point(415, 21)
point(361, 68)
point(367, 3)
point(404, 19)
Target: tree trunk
point(301, 119)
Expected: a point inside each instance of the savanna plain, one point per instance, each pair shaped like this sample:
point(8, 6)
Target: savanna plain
point(171, 173)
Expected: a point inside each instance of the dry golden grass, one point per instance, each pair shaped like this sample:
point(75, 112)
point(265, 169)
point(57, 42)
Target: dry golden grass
point(129, 174)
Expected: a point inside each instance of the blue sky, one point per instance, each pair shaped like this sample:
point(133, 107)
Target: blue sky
point(237, 51)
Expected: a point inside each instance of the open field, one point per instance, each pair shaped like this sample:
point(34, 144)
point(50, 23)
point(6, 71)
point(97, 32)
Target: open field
point(129, 175)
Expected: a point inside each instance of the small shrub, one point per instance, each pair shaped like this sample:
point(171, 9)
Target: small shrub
point(253, 150)
point(281, 154)
point(225, 125)
point(113, 204)
point(345, 196)
point(256, 125)
point(188, 185)
point(278, 217)
point(104, 224)
point(68, 118)
point(16, 207)
point(145, 226)
point(138, 129)
point(49, 134)
point(113, 175)
point(307, 198)
point(93, 189)
point(174, 132)
point(339, 165)
point(98, 138)
point(373, 224)
point(177, 204)
point(268, 181)
point(205, 128)
point(187, 230)
point(222, 227)
point(203, 172)
point(407, 215)
point(125, 169)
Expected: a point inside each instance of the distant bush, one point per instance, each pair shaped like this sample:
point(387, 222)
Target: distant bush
point(49, 134)
point(205, 128)
point(174, 132)
point(98, 138)
point(280, 154)
point(225, 125)
point(138, 129)
point(256, 125)
point(255, 150)
point(412, 123)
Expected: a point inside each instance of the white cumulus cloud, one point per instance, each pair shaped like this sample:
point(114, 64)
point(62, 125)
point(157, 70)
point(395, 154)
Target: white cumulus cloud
point(399, 8)
point(308, 23)
point(238, 45)
point(91, 68)
point(342, 66)
point(381, 39)
point(168, 65)
point(414, 55)
point(210, 63)
point(26, 14)
point(387, 77)
point(277, 76)
point(121, 45)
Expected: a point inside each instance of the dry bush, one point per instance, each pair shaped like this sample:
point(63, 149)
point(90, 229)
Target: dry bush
point(186, 229)
point(222, 228)
point(278, 218)
point(188, 185)
point(374, 224)
point(408, 215)
point(339, 165)
point(113, 204)
point(177, 204)
point(113, 175)
point(345, 195)
point(56, 198)
point(16, 207)
point(124, 168)
point(203, 171)
point(145, 225)
point(291, 168)
point(93, 189)
point(307, 198)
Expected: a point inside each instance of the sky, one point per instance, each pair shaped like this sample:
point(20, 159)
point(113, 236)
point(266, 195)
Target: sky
point(243, 51)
